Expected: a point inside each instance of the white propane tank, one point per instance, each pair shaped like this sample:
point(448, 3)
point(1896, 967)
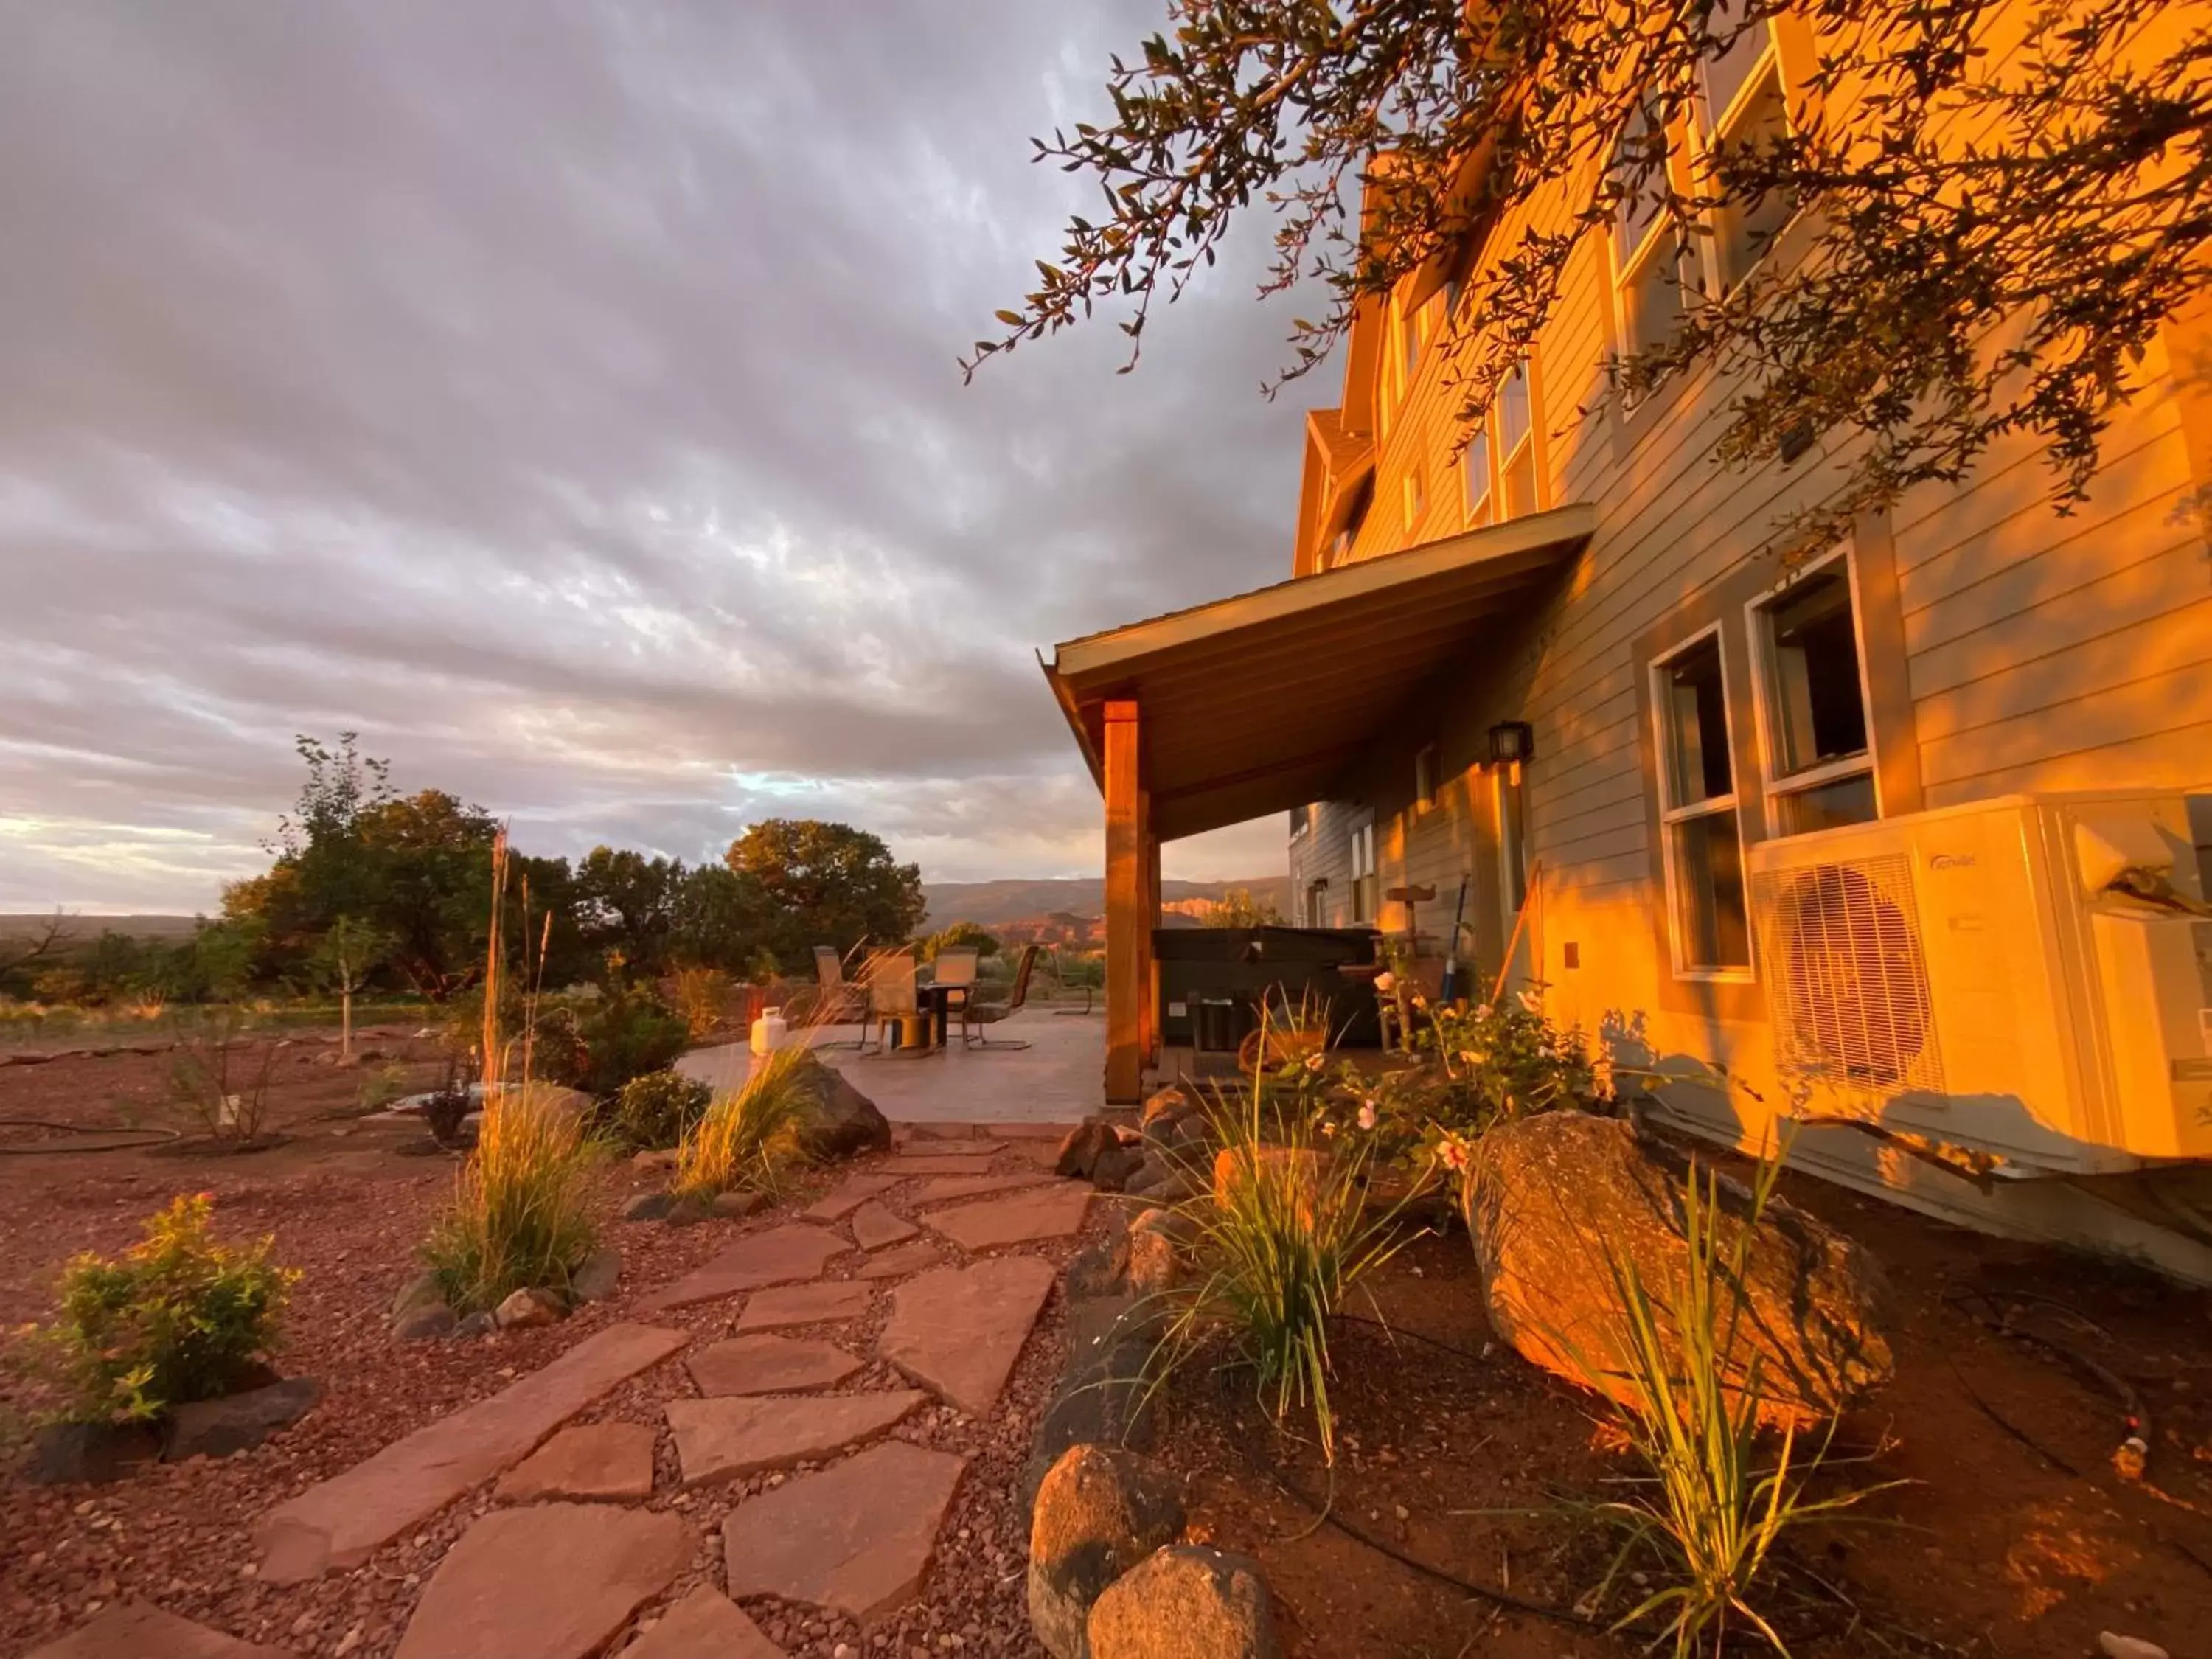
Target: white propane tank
point(768, 1031)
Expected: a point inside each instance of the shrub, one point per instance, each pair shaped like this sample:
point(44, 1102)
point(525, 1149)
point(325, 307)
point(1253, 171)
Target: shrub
point(178, 1317)
point(748, 1134)
point(1278, 1249)
point(657, 1110)
point(704, 996)
point(521, 1210)
point(1713, 1515)
point(625, 1034)
point(221, 1077)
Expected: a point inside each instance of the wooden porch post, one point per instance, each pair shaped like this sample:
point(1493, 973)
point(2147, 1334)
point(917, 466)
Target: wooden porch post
point(1151, 845)
point(1128, 928)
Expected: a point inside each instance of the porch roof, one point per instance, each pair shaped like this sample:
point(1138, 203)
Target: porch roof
point(1256, 703)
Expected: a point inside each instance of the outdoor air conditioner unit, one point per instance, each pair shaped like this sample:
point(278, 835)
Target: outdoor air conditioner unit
point(2029, 976)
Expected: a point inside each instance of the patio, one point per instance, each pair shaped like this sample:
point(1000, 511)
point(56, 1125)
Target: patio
point(1056, 1079)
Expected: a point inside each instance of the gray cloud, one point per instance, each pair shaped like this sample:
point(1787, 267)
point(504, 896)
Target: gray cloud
point(564, 396)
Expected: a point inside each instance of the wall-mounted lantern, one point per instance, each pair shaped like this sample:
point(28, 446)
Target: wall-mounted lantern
point(1512, 743)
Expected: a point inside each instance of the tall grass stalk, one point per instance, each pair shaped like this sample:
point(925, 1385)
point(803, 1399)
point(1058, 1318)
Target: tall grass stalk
point(1279, 1246)
point(521, 1210)
point(750, 1135)
point(1714, 1512)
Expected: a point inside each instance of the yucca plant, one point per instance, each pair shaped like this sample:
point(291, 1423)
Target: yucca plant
point(1280, 1240)
point(1713, 1511)
point(521, 1211)
point(750, 1135)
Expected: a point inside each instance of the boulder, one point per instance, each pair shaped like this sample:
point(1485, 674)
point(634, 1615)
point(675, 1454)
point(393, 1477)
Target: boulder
point(1099, 1512)
point(238, 1422)
point(1159, 1240)
point(839, 1121)
point(649, 1206)
point(595, 1281)
point(736, 1206)
point(422, 1291)
point(529, 1309)
point(1165, 1107)
point(71, 1453)
point(1103, 1395)
point(1553, 1195)
point(1081, 1147)
point(424, 1324)
point(1101, 1267)
point(1111, 1170)
point(1186, 1603)
point(478, 1323)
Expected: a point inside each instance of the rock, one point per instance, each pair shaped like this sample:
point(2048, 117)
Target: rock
point(839, 1121)
point(704, 1625)
point(555, 1580)
point(1111, 1170)
point(1099, 1512)
point(530, 1309)
point(238, 1422)
point(736, 1206)
point(72, 1454)
point(689, 1209)
point(1165, 1107)
point(476, 1324)
point(424, 1324)
point(649, 1206)
point(596, 1280)
point(1186, 1603)
point(589, 1460)
point(857, 1537)
point(1307, 1168)
point(1159, 1241)
point(1103, 1395)
point(2127, 1647)
point(959, 1330)
point(1101, 1267)
point(1079, 1150)
point(138, 1630)
point(421, 1292)
point(1159, 1176)
point(1552, 1195)
point(654, 1159)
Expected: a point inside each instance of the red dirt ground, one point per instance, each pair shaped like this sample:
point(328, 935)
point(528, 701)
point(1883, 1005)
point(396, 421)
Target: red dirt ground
point(2013, 1542)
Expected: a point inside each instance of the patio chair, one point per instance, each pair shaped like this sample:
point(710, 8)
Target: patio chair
point(986, 1014)
point(839, 1002)
point(889, 978)
point(956, 972)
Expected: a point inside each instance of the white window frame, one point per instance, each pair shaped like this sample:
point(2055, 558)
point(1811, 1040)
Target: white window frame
point(1671, 815)
point(1363, 867)
point(1476, 511)
point(1628, 262)
point(1502, 507)
point(1775, 785)
point(1712, 133)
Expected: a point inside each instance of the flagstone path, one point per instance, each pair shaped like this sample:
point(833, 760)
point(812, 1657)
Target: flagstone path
point(570, 1551)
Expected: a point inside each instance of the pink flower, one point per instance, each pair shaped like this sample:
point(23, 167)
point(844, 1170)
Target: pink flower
point(1367, 1115)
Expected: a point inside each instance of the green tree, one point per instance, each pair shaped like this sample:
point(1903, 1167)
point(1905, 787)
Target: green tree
point(626, 905)
point(961, 935)
point(828, 883)
point(724, 919)
point(1986, 242)
point(1237, 907)
point(345, 959)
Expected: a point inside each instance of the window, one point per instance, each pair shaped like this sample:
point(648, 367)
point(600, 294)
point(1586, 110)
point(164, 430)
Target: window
point(1416, 494)
point(1409, 347)
point(1516, 442)
point(1647, 250)
point(1704, 850)
point(1744, 111)
point(1820, 766)
point(1301, 820)
point(1424, 776)
point(1474, 479)
point(1364, 892)
point(1340, 548)
point(1315, 902)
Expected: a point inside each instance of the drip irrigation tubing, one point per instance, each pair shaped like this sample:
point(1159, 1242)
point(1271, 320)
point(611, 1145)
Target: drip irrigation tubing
point(141, 1138)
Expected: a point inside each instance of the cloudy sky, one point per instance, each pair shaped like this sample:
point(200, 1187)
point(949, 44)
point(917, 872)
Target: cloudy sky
point(564, 396)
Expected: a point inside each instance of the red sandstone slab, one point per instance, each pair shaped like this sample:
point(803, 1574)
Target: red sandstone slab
point(933, 1130)
point(899, 1262)
point(704, 1625)
point(858, 1536)
point(768, 1364)
point(341, 1522)
point(874, 1226)
point(969, 1165)
point(805, 1304)
point(605, 1462)
point(958, 1331)
point(775, 1257)
point(855, 1191)
point(1046, 1211)
point(138, 1630)
point(553, 1581)
point(945, 1189)
point(1054, 1132)
point(723, 1439)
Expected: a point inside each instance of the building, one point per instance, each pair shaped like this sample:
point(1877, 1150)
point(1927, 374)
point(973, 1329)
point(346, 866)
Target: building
point(1552, 665)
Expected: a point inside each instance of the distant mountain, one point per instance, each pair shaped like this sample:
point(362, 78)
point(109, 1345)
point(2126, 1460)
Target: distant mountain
point(996, 904)
point(82, 930)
